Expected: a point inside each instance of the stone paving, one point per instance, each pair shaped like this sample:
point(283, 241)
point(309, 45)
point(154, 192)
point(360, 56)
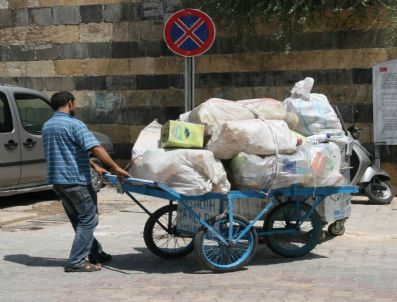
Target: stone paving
point(361, 265)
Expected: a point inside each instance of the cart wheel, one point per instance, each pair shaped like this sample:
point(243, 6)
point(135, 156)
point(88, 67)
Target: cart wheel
point(219, 257)
point(161, 236)
point(336, 229)
point(298, 243)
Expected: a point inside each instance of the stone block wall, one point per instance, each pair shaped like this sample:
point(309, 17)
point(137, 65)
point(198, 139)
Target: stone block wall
point(111, 55)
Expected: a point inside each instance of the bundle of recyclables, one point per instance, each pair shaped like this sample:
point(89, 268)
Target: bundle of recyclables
point(229, 164)
point(247, 144)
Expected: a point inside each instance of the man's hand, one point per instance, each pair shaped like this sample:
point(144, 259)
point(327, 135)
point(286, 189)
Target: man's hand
point(103, 156)
point(121, 172)
point(99, 169)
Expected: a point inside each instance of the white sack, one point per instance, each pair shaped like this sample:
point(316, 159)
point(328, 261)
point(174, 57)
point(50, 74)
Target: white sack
point(220, 183)
point(148, 139)
point(312, 165)
point(184, 117)
point(216, 112)
point(252, 137)
point(270, 109)
point(187, 171)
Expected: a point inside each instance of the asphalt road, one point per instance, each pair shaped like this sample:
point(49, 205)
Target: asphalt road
point(358, 266)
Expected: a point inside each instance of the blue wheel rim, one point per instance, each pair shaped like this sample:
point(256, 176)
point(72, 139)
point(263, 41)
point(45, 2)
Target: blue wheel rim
point(227, 257)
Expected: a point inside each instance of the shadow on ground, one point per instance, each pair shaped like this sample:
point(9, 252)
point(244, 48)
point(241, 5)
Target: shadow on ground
point(145, 262)
point(35, 261)
point(26, 199)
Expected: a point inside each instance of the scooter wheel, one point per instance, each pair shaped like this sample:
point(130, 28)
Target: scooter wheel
point(379, 191)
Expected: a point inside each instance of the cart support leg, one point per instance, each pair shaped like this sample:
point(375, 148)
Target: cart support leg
point(170, 217)
point(230, 204)
point(138, 203)
point(268, 206)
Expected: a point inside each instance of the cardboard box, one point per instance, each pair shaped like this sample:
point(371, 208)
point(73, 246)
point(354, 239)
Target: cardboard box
point(177, 134)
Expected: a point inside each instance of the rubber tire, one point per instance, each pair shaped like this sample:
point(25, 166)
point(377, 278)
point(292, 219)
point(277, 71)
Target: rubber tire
point(199, 240)
point(314, 234)
point(333, 231)
point(375, 199)
point(148, 236)
point(97, 181)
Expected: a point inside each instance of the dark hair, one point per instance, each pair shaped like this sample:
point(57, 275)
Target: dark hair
point(60, 99)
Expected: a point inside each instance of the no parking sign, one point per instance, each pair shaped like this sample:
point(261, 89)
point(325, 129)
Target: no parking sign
point(189, 32)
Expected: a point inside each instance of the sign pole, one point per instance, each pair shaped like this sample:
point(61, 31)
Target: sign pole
point(189, 83)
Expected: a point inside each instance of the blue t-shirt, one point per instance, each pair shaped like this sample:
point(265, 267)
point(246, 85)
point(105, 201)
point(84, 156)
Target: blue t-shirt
point(66, 143)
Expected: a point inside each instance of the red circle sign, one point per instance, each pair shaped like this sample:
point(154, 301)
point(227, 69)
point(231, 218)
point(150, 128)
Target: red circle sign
point(189, 32)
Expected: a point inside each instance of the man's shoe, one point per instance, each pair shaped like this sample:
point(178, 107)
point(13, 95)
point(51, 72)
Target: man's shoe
point(100, 258)
point(85, 267)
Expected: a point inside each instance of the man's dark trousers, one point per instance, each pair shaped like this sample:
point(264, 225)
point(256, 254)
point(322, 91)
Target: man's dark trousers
point(80, 204)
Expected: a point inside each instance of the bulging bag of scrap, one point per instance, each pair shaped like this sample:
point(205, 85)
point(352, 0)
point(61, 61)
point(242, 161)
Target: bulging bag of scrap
point(148, 139)
point(270, 109)
point(254, 172)
point(253, 137)
point(312, 165)
point(315, 114)
point(216, 112)
point(187, 171)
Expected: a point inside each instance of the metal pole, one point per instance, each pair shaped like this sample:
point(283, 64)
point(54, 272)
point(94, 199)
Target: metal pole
point(189, 83)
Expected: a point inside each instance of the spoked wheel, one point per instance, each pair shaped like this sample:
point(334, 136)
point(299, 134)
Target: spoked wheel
point(379, 191)
point(221, 257)
point(302, 237)
point(161, 236)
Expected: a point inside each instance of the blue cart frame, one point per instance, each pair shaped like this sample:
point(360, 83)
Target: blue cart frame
point(232, 229)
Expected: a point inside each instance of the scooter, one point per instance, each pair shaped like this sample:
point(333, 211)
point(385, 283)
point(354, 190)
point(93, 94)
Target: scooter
point(373, 181)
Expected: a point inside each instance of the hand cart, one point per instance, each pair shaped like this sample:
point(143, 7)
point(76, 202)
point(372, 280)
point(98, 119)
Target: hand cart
point(227, 242)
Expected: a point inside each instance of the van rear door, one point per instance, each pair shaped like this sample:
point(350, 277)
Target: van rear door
point(10, 147)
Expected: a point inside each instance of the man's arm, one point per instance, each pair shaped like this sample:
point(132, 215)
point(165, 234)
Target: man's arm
point(103, 156)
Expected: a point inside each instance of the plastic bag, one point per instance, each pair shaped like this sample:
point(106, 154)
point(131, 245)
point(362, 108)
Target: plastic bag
point(325, 161)
point(254, 172)
point(312, 165)
point(302, 89)
point(315, 114)
point(252, 137)
point(189, 172)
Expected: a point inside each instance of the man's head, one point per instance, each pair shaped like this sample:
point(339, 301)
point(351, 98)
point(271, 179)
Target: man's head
point(63, 101)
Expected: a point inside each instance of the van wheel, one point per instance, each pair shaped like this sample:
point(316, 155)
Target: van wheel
point(96, 179)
